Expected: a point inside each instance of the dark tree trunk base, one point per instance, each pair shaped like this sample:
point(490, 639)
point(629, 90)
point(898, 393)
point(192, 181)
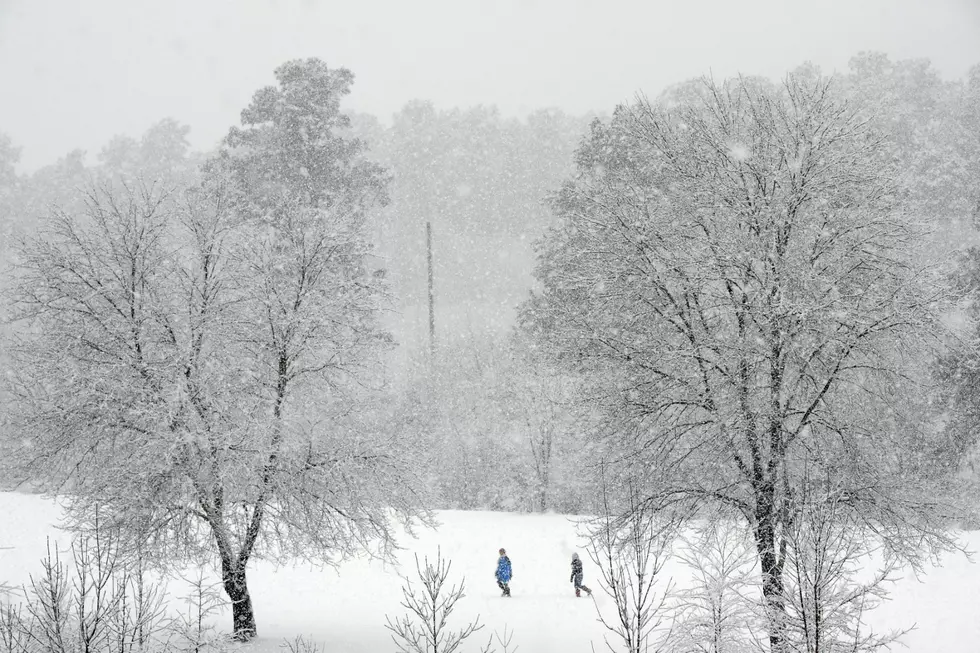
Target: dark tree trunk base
point(244, 620)
point(243, 617)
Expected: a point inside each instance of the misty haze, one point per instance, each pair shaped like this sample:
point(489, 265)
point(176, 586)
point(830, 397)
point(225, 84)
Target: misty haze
point(435, 327)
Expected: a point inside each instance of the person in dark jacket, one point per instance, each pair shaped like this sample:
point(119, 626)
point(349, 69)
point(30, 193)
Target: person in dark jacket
point(577, 576)
point(503, 573)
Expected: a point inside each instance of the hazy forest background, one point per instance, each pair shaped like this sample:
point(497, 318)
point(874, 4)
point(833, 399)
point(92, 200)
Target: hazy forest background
point(492, 428)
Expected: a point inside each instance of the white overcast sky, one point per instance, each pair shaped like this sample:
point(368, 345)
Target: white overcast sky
point(75, 72)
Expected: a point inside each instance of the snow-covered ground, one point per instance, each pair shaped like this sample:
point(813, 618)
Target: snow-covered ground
point(344, 610)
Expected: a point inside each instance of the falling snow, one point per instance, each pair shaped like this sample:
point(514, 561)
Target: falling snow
point(567, 302)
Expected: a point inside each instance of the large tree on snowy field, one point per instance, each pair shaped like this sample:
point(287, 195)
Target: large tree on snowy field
point(203, 365)
point(735, 275)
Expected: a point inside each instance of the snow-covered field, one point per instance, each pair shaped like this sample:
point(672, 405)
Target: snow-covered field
point(344, 610)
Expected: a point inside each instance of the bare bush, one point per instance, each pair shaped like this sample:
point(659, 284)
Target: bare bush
point(827, 601)
point(425, 628)
point(505, 642)
point(630, 553)
point(300, 644)
point(140, 620)
point(715, 613)
point(14, 630)
point(104, 603)
point(49, 607)
point(193, 628)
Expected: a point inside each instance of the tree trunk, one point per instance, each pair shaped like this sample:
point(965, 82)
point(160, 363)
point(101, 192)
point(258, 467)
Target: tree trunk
point(542, 494)
point(243, 618)
point(773, 596)
point(774, 600)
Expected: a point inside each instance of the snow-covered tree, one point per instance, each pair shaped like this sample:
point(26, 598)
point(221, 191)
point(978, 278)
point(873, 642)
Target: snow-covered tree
point(161, 155)
point(9, 187)
point(9, 183)
point(476, 462)
point(538, 403)
point(716, 610)
point(203, 364)
point(932, 129)
point(831, 586)
point(430, 602)
point(736, 276)
point(630, 543)
point(959, 370)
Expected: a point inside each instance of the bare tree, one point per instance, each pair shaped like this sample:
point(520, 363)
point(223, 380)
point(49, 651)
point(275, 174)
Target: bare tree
point(717, 611)
point(105, 603)
point(202, 602)
point(425, 629)
point(97, 594)
point(15, 629)
point(505, 641)
point(630, 544)
point(539, 399)
point(140, 621)
point(828, 596)
point(735, 275)
point(204, 364)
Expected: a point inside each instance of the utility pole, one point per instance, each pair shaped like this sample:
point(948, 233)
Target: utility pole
point(432, 314)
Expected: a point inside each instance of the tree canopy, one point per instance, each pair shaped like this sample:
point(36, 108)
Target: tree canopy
point(735, 275)
point(201, 363)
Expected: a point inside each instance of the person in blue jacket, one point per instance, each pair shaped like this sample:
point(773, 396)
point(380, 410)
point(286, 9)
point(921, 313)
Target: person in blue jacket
point(503, 573)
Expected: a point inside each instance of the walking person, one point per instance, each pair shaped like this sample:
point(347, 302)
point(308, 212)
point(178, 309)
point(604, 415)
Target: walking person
point(503, 573)
point(578, 575)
